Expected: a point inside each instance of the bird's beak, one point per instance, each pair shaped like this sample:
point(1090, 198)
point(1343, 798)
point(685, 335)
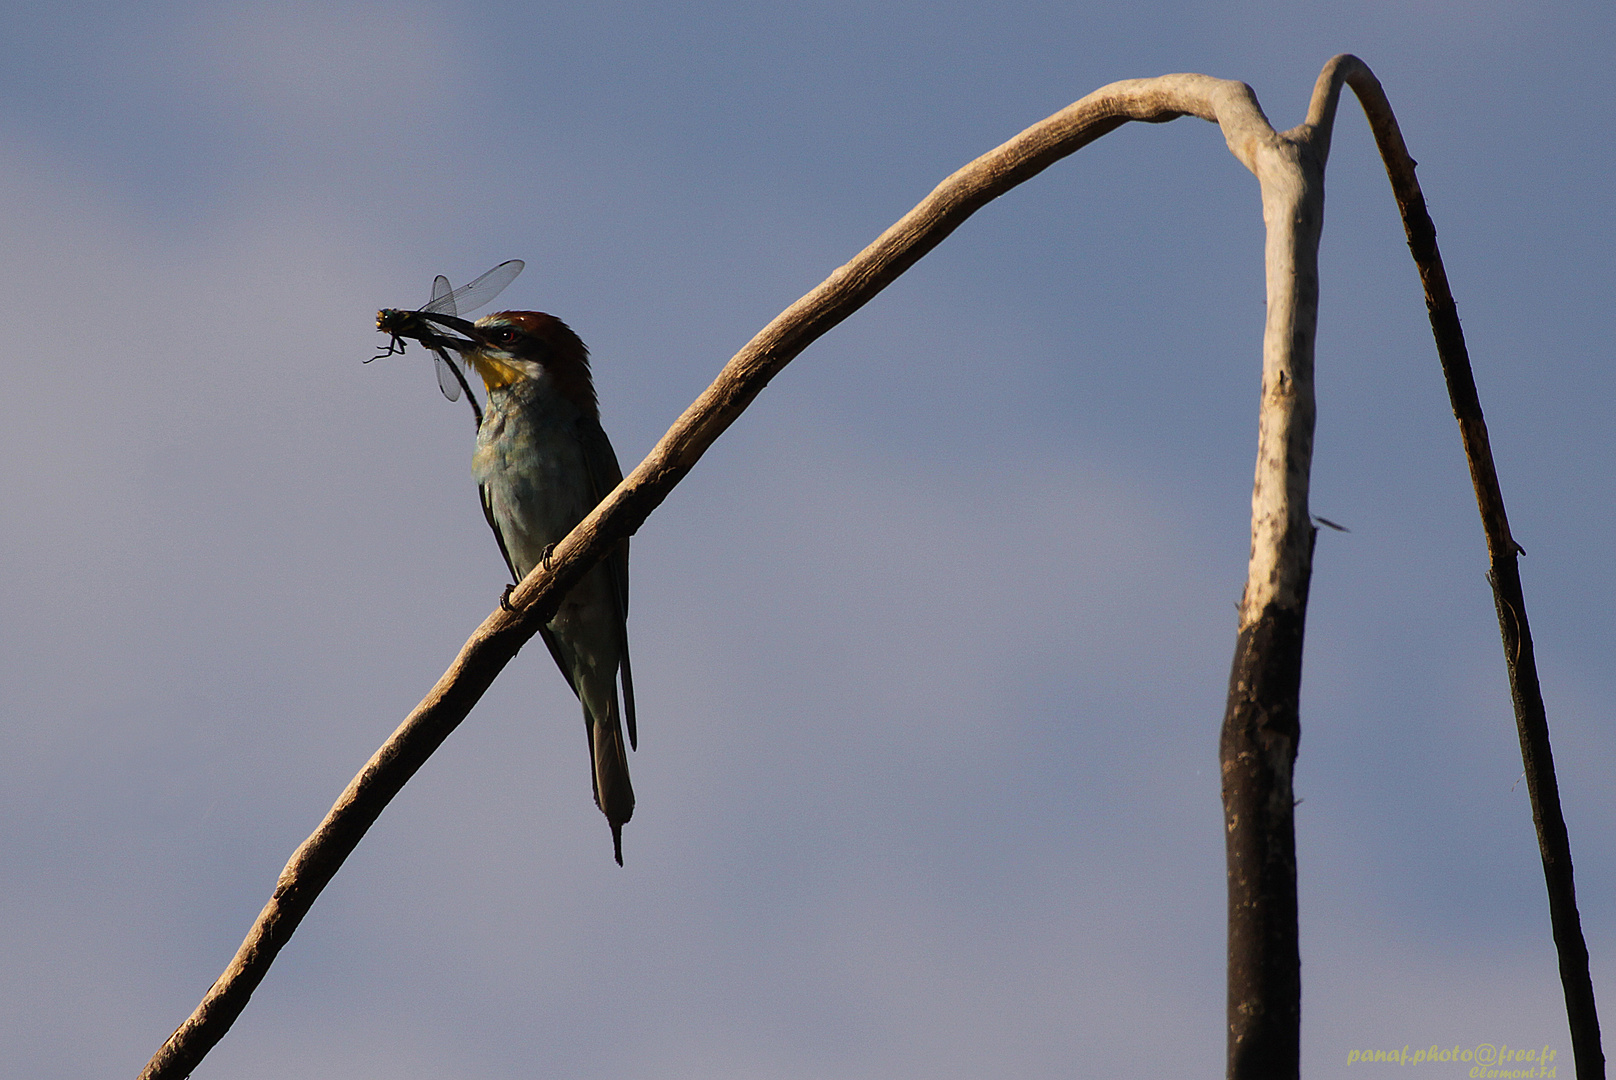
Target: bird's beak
point(474, 336)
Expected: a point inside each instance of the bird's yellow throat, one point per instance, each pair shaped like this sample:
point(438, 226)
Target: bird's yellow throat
point(496, 373)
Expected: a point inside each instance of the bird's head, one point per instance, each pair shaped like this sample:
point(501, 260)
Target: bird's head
point(509, 347)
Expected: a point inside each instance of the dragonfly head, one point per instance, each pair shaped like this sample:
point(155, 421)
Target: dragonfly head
point(426, 327)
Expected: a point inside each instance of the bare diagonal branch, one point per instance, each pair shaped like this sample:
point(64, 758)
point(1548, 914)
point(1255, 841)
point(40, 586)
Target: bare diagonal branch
point(503, 633)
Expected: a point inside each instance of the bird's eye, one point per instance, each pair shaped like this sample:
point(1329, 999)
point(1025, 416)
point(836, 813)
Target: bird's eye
point(505, 335)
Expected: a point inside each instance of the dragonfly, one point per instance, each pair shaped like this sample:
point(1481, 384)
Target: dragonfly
point(443, 309)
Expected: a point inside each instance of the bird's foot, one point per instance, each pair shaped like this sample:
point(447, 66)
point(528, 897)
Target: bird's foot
point(544, 559)
point(505, 598)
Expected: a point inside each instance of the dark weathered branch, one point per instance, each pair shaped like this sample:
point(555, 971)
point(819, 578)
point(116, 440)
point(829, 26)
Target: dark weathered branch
point(1261, 724)
point(1531, 720)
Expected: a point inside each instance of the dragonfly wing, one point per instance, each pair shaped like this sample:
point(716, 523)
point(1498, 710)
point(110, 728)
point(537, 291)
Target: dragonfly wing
point(475, 295)
point(442, 300)
point(448, 382)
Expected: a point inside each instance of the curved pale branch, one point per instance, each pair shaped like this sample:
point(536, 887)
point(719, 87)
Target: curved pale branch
point(503, 633)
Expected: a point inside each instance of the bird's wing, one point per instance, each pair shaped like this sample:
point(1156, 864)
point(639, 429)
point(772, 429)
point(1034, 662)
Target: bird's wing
point(544, 632)
point(604, 475)
point(555, 654)
point(499, 537)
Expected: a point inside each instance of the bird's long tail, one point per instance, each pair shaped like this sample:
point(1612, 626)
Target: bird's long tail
point(613, 792)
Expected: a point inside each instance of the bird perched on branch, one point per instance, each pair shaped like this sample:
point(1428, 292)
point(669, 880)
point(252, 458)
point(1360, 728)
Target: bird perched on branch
point(543, 462)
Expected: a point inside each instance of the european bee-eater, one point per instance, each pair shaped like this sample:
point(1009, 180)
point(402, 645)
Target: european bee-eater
point(542, 463)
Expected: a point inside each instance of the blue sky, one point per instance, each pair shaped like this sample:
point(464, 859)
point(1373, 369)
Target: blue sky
point(930, 649)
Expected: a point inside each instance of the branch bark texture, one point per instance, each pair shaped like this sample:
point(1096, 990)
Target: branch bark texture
point(1261, 724)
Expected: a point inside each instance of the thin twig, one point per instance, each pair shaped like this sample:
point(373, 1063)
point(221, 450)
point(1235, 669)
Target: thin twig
point(1531, 720)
